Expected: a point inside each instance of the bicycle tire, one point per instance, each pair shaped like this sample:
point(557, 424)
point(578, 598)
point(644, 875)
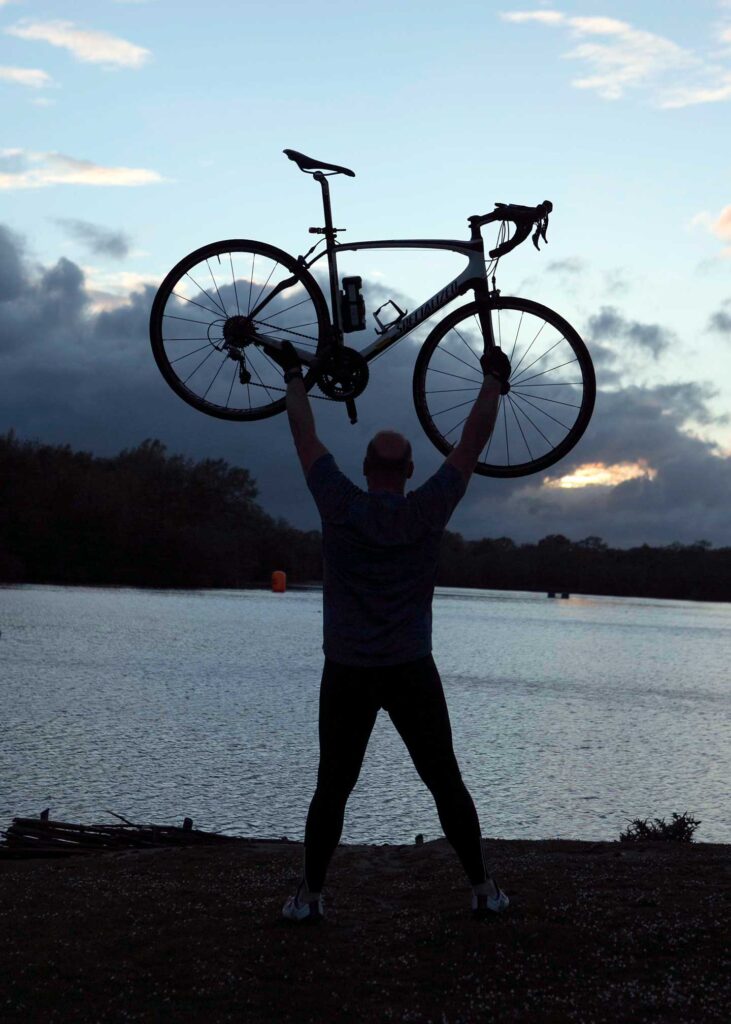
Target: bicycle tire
point(526, 403)
point(305, 321)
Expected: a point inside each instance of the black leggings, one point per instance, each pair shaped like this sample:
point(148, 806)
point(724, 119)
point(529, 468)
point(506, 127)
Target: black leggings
point(412, 695)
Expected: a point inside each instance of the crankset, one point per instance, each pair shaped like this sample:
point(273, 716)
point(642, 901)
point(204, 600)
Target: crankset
point(342, 373)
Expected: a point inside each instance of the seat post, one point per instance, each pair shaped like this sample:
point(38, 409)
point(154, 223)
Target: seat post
point(330, 236)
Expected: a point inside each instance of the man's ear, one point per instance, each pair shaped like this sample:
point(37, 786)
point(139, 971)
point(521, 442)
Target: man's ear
point(366, 468)
point(410, 470)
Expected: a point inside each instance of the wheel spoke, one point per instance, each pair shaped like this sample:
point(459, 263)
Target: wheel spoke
point(543, 412)
point(553, 384)
point(468, 347)
point(223, 361)
point(456, 426)
point(178, 358)
point(449, 391)
point(221, 309)
point(521, 383)
point(214, 312)
point(261, 382)
point(251, 282)
point(505, 422)
point(525, 439)
point(459, 405)
point(456, 376)
point(535, 339)
point(187, 319)
point(543, 356)
point(215, 285)
point(233, 281)
point(233, 378)
point(263, 287)
point(517, 333)
point(542, 398)
point(447, 352)
point(535, 426)
point(205, 359)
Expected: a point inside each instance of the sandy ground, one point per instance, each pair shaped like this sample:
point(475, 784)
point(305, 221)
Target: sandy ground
point(596, 932)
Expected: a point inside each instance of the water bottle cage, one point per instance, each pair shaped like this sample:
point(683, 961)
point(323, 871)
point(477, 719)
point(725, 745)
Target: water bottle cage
point(382, 328)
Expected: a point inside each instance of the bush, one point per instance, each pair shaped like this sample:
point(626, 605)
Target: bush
point(680, 829)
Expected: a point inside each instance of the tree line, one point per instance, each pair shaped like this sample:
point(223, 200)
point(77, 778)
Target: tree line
point(148, 518)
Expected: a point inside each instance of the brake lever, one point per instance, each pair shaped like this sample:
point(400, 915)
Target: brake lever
point(540, 232)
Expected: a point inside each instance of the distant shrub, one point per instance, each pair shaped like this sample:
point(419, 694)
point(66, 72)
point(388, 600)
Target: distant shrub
point(680, 829)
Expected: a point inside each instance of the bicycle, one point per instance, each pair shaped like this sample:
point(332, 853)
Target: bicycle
point(240, 298)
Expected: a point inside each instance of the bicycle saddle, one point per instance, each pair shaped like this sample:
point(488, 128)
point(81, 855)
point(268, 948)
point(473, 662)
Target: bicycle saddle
point(306, 163)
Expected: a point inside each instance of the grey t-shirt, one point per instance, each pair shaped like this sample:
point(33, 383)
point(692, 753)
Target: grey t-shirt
point(380, 555)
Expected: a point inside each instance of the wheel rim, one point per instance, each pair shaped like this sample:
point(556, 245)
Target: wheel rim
point(552, 386)
point(211, 314)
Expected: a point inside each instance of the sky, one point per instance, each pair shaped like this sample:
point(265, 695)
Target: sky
point(134, 131)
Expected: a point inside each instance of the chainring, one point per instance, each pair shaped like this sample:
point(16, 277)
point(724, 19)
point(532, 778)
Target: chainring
point(342, 373)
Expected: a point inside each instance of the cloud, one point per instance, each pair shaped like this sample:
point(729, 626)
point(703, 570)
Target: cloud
point(573, 265)
point(609, 324)
point(718, 225)
point(621, 58)
point(100, 240)
point(721, 226)
point(85, 44)
point(72, 373)
point(33, 78)
point(720, 321)
point(21, 169)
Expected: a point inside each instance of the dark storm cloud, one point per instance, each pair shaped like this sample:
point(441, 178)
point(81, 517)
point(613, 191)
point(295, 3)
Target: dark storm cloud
point(609, 325)
point(70, 374)
point(11, 270)
point(720, 321)
point(99, 240)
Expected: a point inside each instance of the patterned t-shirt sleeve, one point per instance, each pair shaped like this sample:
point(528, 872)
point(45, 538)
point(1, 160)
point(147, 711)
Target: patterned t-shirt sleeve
point(332, 490)
point(436, 500)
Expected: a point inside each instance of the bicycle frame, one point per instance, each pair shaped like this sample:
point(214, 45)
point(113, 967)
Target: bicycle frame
point(473, 277)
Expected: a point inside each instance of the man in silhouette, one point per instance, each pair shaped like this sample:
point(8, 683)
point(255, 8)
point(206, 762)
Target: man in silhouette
point(380, 551)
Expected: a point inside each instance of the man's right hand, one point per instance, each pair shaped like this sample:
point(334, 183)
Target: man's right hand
point(496, 364)
point(286, 356)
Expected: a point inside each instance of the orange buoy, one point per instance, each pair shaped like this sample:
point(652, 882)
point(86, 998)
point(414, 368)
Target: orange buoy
point(279, 581)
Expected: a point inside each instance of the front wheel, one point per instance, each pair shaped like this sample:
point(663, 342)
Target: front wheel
point(211, 315)
point(552, 385)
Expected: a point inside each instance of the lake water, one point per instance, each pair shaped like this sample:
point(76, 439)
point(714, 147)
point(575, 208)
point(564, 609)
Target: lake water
point(569, 717)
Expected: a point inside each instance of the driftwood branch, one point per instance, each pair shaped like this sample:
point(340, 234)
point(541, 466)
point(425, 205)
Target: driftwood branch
point(42, 837)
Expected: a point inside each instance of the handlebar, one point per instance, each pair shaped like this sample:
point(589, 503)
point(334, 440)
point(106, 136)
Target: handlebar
point(524, 217)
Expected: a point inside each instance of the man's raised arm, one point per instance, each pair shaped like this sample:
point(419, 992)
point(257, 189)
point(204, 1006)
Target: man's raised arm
point(301, 421)
point(481, 420)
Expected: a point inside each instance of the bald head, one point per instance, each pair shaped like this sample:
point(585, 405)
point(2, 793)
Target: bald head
point(388, 462)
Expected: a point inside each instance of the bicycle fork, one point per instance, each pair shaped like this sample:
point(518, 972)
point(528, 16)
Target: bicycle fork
point(484, 313)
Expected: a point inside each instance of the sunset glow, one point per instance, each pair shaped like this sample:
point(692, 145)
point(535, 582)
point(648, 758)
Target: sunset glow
point(597, 474)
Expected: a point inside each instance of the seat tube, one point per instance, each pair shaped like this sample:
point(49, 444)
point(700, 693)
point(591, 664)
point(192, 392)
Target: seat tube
point(484, 313)
point(330, 237)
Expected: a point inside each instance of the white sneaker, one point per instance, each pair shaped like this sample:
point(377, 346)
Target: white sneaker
point(302, 911)
point(484, 905)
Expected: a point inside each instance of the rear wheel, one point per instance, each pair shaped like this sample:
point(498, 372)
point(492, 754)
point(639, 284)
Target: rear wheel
point(212, 313)
point(552, 385)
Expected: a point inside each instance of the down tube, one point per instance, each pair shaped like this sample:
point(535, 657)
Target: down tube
point(458, 286)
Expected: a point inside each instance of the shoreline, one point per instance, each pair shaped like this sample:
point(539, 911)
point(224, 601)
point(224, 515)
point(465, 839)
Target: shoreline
point(317, 586)
point(596, 932)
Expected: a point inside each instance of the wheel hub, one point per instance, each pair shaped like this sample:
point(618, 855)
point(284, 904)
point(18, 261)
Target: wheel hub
point(239, 331)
